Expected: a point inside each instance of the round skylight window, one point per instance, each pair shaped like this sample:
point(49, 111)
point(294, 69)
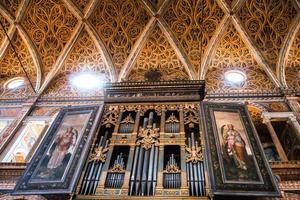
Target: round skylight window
point(15, 83)
point(235, 78)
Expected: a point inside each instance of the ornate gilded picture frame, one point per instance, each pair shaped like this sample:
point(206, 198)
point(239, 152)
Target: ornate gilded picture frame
point(56, 165)
point(234, 156)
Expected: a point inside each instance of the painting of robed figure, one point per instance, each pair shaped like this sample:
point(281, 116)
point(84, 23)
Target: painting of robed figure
point(238, 162)
point(234, 156)
point(56, 164)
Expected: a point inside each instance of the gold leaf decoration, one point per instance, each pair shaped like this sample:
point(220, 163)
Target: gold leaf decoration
point(156, 3)
point(11, 5)
point(6, 25)
point(267, 22)
point(50, 25)
point(232, 53)
point(185, 18)
point(82, 4)
point(11, 68)
point(158, 56)
point(84, 57)
point(119, 24)
point(292, 70)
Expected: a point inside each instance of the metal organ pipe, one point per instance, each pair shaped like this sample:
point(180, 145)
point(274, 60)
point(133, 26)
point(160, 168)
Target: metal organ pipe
point(195, 167)
point(144, 172)
point(172, 174)
point(116, 174)
point(94, 168)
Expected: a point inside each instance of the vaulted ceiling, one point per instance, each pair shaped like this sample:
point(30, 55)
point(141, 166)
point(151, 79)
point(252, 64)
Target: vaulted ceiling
point(143, 40)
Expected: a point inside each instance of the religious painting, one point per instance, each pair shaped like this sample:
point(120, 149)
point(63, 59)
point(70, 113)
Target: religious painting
point(25, 142)
point(55, 166)
point(234, 155)
point(237, 156)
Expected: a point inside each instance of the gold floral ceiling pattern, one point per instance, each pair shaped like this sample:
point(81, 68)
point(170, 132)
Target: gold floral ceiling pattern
point(157, 61)
point(119, 23)
point(193, 27)
point(12, 5)
point(267, 22)
point(6, 25)
point(10, 67)
point(82, 4)
point(237, 56)
point(264, 42)
point(85, 56)
point(49, 24)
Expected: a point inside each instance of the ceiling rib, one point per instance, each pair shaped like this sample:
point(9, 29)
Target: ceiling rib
point(177, 48)
point(22, 10)
point(224, 6)
point(29, 43)
point(103, 51)
point(254, 50)
point(91, 8)
point(5, 44)
point(148, 7)
point(60, 60)
point(34, 54)
point(136, 49)
point(237, 5)
point(284, 52)
point(106, 56)
point(208, 54)
point(74, 9)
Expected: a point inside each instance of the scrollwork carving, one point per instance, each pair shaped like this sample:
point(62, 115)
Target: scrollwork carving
point(147, 137)
point(232, 54)
point(50, 25)
point(267, 23)
point(11, 5)
point(84, 57)
point(157, 56)
point(185, 19)
point(119, 23)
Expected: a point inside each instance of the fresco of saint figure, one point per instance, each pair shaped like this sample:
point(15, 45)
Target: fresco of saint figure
point(236, 154)
point(64, 143)
point(235, 146)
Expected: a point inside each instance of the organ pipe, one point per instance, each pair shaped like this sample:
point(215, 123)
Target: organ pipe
point(144, 172)
point(195, 167)
point(115, 175)
point(172, 174)
point(95, 165)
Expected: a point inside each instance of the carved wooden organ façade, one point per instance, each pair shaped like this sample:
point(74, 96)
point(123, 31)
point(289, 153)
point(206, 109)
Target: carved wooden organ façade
point(151, 145)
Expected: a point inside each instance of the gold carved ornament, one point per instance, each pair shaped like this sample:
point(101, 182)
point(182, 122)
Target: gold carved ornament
point(128, 120)
point(233, 54)
point(191, 34)
point(194, 154)
point(172, 119)
point(99, 154)
point(117, 168)
point(172, 169)
point(147, 137)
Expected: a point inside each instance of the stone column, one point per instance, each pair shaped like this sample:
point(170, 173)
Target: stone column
point(278, 146)
point(295, 124)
